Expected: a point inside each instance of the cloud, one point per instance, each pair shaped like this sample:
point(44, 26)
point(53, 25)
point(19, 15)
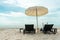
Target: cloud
point(47, 3)
point(13, 14)
point(4, 21)
point(50, 4)
point(9, 1)
point(11, 19)
point(9, 8)
point(21, 2)
point(26, 3)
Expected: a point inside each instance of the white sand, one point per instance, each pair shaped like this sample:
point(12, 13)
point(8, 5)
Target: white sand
point(14, 34)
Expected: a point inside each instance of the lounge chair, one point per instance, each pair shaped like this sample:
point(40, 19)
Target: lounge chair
point(29, 28)
point(48, 28)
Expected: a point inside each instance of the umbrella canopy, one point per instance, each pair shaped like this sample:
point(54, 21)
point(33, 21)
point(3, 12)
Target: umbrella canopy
point(37, 9)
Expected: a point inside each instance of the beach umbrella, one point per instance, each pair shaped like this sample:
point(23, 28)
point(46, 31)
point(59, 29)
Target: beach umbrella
point(36, 11)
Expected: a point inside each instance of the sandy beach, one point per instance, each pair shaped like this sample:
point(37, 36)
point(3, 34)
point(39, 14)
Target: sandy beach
point(14, 34)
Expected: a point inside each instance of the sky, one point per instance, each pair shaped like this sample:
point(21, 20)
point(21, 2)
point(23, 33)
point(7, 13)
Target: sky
point(12, 13)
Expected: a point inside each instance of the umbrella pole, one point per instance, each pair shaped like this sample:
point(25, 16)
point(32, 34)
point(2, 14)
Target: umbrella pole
point(37, 21)
point(36, 18)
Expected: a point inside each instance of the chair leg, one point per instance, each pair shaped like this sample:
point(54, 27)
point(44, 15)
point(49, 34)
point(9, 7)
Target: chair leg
point(20, 30)
point(41, 29)
point(55, 31)
point(34, 31)
point(23, 31)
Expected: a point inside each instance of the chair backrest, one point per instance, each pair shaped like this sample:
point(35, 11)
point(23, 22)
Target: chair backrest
point(48, 27)
point(29, 27)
